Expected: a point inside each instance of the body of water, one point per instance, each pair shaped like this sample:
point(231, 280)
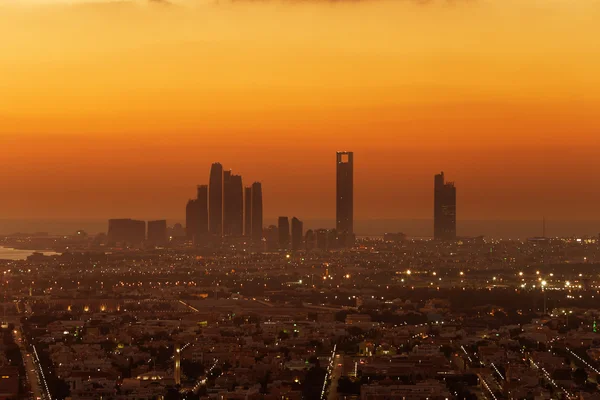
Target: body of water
point(7, 253)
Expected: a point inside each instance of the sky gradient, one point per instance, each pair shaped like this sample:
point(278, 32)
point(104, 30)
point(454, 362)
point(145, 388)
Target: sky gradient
point(118, 110)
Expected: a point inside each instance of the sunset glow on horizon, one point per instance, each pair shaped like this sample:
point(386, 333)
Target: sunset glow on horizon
point(122, 103)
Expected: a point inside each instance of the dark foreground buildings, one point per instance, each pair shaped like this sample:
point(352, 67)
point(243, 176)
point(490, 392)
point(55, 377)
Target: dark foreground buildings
point(444, 209)
point(344, 202)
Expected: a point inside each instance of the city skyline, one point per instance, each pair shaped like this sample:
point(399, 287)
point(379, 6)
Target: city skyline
point(77, 132)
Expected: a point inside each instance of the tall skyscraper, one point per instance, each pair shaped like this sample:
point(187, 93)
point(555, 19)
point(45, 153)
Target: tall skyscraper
point(248, 211)
point(444, 209)
point(157, 232)
point(283, 226)
point(215, 203)
point(257, 212)
point(202, 213)
point(226, 203)
point(191, 219)
point(233, 204)
point(344, 204)
point(297, 234)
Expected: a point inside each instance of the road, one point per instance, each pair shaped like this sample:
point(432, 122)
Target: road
point(30, 367)
point(335, 376)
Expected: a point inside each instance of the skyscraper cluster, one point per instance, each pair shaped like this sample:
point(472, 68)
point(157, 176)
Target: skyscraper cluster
point(444, 209)
point(225, 207)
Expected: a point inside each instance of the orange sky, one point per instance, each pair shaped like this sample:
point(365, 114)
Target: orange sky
point(119, 110)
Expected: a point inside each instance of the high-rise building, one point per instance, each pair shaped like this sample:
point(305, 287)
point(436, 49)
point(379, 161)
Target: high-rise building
point(444, 209)
point(321, 239)
point(297, 234)
point(257, 212)
point(128, 231)
point(215, 203)
point(271, 235)
point(248, 211)
point(226, 202)
point(202, 213)
point(191, 219)
point(310, 240)
point(344, 204)
point(196, 216)
point(233, 204)
point(283, 227)
point(157, 232)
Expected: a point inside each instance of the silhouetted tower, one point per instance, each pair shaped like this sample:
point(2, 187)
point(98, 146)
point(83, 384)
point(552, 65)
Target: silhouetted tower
point(215, 203)
point(297, 234)
point(202, 206)
point(177, 369)
point(248, 211)
point(283, 227)
point(310, 240)
point(272, 238)
point(444, 209)
point(233, 204)
point(157, 232)
point(257, 212)
point(191, 219)
point(227, 206)
point(344, 205)
point(196, 216)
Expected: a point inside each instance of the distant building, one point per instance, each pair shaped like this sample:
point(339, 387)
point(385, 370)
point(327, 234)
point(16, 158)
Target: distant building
point(157, 232)
point(344, 205)
point(321, 239)
point(297, 234)
point(444, 209)
point(233, 205)
point(128, 231)
point(226, 202)
point(310, 240)
point(283, 226)
point(257, 212)
point(272, 238)
point(215, 203)
point(248, 211)
point(196, 216)
point(177, 231)
point(202, 212)
point(191, 218)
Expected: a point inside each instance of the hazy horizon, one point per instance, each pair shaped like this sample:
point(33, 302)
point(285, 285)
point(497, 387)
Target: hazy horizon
point(416, 228)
